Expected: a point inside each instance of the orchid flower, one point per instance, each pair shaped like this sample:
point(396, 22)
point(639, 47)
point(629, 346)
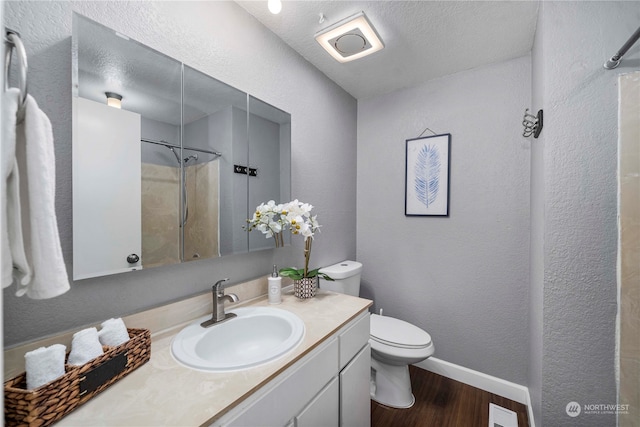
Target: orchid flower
point(272, 219)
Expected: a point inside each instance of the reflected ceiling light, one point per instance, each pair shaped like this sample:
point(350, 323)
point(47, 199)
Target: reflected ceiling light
point(275, 6)
point(114, 99)
point(351, 38)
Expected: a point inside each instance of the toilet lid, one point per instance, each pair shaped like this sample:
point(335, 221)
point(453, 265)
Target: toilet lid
point(398, 333)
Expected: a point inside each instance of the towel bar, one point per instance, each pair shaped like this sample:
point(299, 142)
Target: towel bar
point(12, 40)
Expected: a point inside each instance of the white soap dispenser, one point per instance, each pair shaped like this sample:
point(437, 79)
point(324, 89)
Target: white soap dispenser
point(275, 287)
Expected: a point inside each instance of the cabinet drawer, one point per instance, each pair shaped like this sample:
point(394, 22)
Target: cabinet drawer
point(353, 338)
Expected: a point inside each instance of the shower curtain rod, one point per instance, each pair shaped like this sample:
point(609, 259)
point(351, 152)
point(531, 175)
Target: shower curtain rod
point(168, 144)
point(614, 61)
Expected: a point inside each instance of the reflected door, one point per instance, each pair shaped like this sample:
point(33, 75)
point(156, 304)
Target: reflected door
point(106, 205)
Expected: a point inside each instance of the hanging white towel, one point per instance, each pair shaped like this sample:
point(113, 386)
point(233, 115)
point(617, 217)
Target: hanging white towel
point(12, 249)
point(48, 277)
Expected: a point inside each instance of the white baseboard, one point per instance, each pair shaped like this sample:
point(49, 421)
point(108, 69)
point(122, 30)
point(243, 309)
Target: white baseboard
point(495, 385)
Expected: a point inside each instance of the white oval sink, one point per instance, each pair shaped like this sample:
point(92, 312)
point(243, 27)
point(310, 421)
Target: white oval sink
point(257, 335)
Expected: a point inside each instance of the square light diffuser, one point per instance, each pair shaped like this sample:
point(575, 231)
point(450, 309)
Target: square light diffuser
point(350, 39)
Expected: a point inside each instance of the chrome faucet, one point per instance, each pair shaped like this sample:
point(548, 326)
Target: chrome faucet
point(219, 298)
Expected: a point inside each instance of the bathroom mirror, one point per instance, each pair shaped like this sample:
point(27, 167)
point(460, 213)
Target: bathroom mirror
point(216, 204)
point(161, 175)
point(269, 161)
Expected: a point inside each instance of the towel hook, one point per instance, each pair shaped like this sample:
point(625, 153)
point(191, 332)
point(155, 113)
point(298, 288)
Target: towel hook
point(12, 39)
point(532, 124)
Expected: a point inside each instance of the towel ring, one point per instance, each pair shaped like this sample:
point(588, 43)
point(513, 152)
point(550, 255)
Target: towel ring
point(12, 39)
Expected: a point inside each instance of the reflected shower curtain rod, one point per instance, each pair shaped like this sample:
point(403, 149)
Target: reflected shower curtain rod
point(614, 61)
point(168, 144)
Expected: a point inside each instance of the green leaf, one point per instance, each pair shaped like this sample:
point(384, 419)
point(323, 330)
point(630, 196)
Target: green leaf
point(297, 274)
point(292, 273)
point(313, 273)
point(325, 277)
point(316, 272)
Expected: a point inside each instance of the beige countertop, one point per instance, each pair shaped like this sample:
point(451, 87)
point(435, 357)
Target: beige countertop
point(164, 392)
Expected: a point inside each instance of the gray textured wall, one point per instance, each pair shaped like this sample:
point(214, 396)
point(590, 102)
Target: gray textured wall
point(464, 278)
point(575, 168)
point(536, 264)
point(222, 40)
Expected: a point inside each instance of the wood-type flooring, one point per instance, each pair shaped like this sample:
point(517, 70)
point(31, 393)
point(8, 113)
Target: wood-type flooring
point(443, 402)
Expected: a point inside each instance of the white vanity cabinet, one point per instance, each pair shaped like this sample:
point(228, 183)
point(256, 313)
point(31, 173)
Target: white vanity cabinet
point(327, 387)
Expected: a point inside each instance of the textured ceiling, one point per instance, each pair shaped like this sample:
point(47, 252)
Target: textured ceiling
point(423, 39)
point(149, 81)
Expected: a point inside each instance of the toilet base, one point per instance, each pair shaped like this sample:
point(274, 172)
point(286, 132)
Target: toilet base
point(391, 385)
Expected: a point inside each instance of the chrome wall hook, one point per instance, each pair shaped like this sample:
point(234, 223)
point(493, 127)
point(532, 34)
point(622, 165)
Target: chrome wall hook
point(532, 124)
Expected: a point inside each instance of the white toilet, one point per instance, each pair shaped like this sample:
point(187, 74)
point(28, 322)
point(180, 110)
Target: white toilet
point(394, 343)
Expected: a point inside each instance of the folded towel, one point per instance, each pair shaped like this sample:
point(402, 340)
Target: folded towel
point(12, 249)
point(113, 332)
point(85, 346)
point(42, 241)
point(44, 365)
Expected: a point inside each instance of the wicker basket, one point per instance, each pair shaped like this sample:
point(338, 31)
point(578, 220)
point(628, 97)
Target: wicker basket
point(49, 403)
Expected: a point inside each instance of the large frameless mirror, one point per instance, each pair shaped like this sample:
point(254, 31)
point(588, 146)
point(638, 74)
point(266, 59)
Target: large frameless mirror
point(161, 156)
point(215, 202)
point(269, 162)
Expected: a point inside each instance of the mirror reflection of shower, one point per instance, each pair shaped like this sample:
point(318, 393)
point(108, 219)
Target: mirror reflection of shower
point(185, 196)
point(180, 207)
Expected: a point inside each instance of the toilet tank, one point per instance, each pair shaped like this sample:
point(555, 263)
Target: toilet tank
point(346, 275)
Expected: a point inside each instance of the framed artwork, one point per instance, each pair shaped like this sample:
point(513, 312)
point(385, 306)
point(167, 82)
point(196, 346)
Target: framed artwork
point(427, 176)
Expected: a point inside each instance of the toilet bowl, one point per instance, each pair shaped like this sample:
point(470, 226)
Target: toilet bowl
point(395, 344)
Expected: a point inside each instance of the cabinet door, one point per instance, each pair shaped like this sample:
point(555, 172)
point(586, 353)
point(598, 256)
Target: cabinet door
point(353, 337)
point(106, 205)
point(323, 410)
point(355, 402)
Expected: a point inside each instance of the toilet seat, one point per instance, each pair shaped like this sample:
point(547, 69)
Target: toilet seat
point(398, 333)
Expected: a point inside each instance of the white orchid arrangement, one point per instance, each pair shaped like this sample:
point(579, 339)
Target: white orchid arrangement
point(272, 219)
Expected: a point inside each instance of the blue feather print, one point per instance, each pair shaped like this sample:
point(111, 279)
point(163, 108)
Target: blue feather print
point(427, 175)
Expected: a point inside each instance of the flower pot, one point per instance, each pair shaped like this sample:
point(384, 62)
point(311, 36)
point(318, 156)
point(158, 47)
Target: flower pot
point(305, 288)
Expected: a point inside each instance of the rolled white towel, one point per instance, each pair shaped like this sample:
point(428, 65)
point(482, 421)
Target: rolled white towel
point(113, 332)
point(44, 365)
point(85, 346)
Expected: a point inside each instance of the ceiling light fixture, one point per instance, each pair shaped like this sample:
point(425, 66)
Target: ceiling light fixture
point(114, 99)
point(351, 38)
point(275, 6)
